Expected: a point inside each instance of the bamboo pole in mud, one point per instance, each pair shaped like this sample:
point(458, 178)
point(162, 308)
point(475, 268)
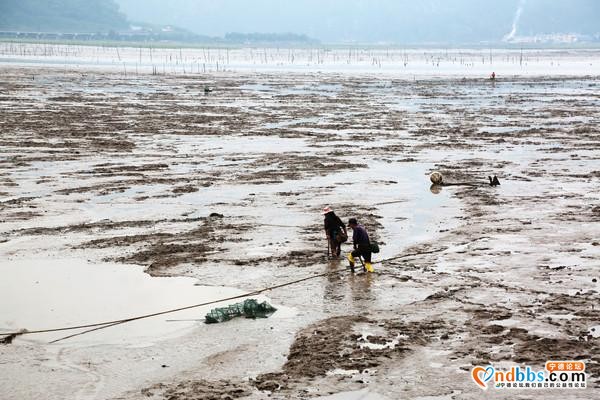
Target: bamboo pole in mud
point(521, 58)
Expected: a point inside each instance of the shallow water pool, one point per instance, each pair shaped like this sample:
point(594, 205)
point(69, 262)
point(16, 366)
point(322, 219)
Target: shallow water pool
point(39, 294)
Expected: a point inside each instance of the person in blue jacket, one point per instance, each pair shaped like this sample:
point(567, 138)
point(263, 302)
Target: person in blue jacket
point(362, 245)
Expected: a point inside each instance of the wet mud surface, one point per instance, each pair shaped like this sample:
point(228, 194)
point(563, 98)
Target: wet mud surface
point(228, 188)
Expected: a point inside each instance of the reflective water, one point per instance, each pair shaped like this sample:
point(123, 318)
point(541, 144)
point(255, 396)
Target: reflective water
point(44, 293)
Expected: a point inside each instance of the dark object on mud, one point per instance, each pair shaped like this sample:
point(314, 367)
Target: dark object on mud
point(216, 215)
point(207, 89)
point(8, 339)
point(249, 308)
point(494, 181)
point(374, 247)
point(437, 180)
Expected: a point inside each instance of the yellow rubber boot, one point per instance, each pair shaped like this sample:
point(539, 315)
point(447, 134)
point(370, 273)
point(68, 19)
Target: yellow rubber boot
point(351, 259)
point(369, 267)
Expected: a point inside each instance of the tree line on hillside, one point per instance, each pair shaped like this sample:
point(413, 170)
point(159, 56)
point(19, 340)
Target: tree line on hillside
point(61, 16)
point(236, 37)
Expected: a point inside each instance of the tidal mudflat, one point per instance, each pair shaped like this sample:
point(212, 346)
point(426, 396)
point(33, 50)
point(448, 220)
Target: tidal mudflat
point(223, 190)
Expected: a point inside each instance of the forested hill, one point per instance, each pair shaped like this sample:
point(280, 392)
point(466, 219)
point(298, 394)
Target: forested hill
point(61, 16)
point(396, 21)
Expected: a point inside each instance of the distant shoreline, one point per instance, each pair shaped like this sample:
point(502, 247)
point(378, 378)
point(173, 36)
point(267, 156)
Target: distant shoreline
point(294, 45)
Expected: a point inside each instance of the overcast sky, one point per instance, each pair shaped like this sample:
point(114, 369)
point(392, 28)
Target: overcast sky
point(399, 21)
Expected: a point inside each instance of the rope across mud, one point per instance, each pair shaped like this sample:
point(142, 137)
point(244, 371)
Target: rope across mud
point(8, 337)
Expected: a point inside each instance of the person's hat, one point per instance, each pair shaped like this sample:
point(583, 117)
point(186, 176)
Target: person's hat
point(352, 221)
point(327, 210)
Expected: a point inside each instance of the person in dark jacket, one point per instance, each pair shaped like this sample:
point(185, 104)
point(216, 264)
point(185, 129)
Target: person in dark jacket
point(333, 229)
point(362, 245)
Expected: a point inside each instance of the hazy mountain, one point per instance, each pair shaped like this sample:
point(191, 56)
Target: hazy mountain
point(61, 15)
point(399, 21)
point(365, 21)
point(560, 16)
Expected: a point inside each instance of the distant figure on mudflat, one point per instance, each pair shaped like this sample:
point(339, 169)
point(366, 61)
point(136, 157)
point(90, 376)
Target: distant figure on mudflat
point(493, 76)
point(335, 231)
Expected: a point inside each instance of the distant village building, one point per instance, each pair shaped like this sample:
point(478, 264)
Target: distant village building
point(553, 38)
